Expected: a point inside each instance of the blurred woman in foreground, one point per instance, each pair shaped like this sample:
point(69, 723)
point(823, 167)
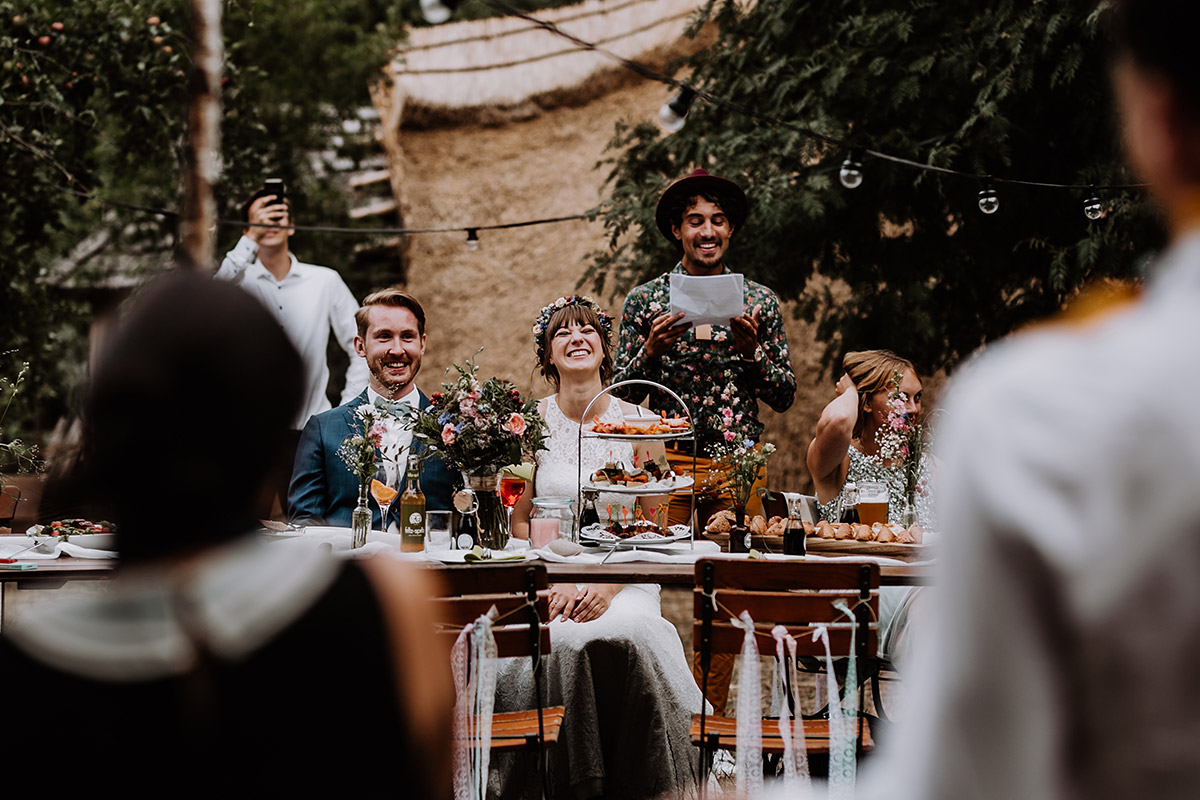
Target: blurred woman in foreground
point(218, 663)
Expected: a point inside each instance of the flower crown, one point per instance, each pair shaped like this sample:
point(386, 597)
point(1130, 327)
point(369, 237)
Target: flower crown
point(543, 320)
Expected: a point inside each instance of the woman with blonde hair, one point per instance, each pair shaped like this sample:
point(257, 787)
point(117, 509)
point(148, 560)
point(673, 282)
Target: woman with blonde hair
point(846, 446)
point(846, 449)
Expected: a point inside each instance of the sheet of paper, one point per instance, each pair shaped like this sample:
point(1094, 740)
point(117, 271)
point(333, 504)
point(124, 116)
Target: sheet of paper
point(707, 299)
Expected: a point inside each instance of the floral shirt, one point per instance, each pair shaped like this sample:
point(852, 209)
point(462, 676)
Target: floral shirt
point(721, 388)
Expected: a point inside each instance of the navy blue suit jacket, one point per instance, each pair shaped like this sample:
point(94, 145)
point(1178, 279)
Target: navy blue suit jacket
point(323, 490)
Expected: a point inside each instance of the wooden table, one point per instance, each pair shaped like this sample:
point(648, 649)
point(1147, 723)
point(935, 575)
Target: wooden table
point(53, 573)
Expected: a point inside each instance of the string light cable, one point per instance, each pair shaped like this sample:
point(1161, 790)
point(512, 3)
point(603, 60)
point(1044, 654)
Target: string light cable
point(678, 106)
point(471, 231)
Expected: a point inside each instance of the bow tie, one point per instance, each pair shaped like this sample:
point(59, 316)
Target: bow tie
point(397, 409)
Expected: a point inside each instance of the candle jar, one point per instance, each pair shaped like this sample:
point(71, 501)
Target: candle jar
point(552, 518)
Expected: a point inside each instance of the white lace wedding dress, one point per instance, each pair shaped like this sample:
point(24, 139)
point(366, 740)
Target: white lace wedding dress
point(626, 684)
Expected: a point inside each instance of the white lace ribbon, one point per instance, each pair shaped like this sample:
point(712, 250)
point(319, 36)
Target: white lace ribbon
point(843, 717)
point(474, 665)
point(748, 770)
point(796, 780)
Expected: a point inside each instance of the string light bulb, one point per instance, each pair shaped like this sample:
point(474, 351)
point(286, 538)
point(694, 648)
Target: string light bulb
point(851, 174)
point(989, 201)
point(673, 113)
point(436, 12)
point(1092, 207)
point(472, 239)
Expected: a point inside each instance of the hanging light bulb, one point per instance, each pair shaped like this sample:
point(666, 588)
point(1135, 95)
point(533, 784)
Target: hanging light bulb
point(989, 201)
point(851, 174)
point(438, 11)
point(472, 239)
point(673, 113)
point(1092, 207)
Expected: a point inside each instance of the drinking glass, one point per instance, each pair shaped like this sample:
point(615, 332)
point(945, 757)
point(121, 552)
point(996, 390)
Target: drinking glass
point(872, 502)
point(437, 531)
point(511, 489)
point(384, 488)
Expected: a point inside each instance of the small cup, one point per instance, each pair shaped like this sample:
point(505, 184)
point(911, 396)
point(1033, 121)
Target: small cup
point(437, 531)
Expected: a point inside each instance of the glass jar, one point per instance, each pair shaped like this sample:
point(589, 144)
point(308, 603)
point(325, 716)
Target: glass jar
point(552, 518)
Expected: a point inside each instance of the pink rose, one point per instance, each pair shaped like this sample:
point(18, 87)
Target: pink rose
point(515, 424)
point(467, 406)
point(448, 434)
point(730, 436)
point(376, 434)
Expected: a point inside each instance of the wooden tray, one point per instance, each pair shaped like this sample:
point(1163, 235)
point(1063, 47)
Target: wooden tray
point(833, 547)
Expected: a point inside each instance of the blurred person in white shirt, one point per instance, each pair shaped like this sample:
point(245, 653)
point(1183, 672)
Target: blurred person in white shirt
point(1064, 643)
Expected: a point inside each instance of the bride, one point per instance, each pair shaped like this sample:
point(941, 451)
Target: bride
point(615, 663)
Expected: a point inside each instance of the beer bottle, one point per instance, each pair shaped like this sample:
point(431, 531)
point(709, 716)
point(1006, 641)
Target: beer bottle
point(849, 508)
point(793, 538)
point(589, 515)
point(412, 510)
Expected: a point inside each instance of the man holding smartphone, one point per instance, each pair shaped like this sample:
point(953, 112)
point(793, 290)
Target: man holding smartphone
point(309, 302)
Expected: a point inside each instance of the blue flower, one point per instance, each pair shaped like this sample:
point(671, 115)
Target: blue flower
point(443, 418)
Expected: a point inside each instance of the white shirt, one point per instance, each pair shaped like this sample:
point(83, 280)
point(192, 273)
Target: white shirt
point(1065, 628)
point(309, 302)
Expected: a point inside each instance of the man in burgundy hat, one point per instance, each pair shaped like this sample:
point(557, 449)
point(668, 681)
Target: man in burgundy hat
point(720, 371)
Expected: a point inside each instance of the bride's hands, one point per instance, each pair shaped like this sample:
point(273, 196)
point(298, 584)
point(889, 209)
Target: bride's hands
point(581, 603)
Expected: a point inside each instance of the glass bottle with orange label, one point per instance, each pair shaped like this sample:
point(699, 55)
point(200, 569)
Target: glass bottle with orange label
point(412, 510)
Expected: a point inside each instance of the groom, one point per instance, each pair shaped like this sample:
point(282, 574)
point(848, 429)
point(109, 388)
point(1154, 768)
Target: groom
point(391, 337)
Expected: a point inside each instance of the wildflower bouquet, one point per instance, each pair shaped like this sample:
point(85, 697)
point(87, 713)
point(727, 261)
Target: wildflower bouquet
point(363, 448)
point(15, 453)
point(904, 438)
point(479, 428)
point(741, 465)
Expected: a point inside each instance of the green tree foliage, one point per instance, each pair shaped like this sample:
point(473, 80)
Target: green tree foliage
point(93, 98)
point(1010, 88)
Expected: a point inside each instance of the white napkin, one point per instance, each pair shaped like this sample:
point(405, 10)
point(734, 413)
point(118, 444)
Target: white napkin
point(51, 550)
point(675, 552)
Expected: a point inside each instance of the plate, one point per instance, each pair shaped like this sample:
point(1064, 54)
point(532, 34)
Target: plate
point(653, 487)
point(458, 556)
point(92, 541)
point(637, 437)
point(591, 535)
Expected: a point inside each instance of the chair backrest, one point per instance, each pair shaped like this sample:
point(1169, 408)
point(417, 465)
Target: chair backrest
point(797, 595)
point(10, 495)
point(519, 592)
point(774, 505)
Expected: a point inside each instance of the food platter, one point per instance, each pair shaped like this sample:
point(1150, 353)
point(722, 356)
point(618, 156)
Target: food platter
point(673, 484)
point(638, 437)
point(597, 536)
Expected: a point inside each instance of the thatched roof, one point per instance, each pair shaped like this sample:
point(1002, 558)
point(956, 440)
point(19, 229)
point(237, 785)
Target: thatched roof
point(506, 61)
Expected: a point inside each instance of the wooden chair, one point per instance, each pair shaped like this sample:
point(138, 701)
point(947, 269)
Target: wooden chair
point(10, 496)
point(872, 670)
point(798, 596)
point(520, 594)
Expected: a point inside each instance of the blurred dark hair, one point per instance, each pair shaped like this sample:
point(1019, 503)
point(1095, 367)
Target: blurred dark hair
point(1159, 35)
point(187, 408)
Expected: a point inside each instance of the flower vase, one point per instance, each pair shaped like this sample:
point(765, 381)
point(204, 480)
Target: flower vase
point(360, 518)
point(739, 534)
point(908, 516)
point(490, 515)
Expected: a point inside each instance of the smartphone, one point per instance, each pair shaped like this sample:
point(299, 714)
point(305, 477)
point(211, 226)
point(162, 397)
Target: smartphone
point(275, 186)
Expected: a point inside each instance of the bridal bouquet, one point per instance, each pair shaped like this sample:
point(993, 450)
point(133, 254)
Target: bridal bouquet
point(479, 428)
